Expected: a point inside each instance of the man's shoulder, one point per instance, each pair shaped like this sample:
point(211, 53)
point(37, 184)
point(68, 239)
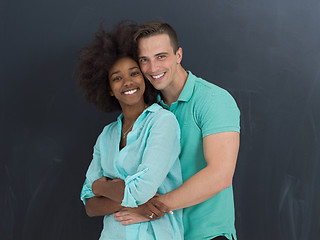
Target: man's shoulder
point(207, 87)
point(208, 92)
point(214, 108)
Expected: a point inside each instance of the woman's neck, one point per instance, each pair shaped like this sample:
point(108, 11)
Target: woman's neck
point(131, 113)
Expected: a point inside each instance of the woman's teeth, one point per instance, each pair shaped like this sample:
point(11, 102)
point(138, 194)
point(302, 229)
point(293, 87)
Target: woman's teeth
point(130, 92)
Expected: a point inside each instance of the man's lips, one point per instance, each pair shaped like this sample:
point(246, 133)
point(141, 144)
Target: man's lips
point(158, 76)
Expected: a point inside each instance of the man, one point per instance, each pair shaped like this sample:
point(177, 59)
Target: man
point(209, 122)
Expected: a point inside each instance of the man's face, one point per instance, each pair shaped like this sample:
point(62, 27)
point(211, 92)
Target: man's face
point(158, 61)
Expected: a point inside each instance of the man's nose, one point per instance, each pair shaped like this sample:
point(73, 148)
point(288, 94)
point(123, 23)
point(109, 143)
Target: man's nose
point(153, 66)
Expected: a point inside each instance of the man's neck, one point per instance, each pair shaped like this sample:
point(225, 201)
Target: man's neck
point(171, 94)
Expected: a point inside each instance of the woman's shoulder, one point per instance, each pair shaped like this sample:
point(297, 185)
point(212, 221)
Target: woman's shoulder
point(160, 118)
point(159, 112)
point(109, 128)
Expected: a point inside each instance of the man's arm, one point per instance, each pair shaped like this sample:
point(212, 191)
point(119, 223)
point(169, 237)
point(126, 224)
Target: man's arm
point(220, 152)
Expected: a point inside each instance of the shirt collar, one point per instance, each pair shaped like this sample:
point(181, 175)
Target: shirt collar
point(186, 92)
point(153, 108)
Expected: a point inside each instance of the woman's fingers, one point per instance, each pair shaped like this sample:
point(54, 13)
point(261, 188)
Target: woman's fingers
point(152, 211)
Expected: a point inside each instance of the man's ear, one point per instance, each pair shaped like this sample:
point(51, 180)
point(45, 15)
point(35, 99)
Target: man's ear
point(179, 55)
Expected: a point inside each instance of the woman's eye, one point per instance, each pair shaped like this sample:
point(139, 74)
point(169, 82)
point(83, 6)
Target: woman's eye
point(134, 74)
point(116, 78)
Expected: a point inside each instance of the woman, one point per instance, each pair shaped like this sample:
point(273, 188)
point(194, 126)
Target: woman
point(135, 157)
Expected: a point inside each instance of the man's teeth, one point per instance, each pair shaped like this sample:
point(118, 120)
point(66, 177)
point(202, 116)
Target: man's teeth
point(130, 92)
point(158, 76)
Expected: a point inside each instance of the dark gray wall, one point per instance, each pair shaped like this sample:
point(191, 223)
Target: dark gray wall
point(266, 53)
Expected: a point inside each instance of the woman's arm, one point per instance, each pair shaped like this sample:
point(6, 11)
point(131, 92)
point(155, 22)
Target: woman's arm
point(160, 155)
point(95, 204)
point(161, 152)
point(112, 189)
point(101, 206)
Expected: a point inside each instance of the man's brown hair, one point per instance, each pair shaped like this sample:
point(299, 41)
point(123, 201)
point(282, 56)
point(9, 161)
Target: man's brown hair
point(153, 28)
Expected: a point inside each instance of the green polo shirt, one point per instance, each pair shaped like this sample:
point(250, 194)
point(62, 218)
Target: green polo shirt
point(203, 109)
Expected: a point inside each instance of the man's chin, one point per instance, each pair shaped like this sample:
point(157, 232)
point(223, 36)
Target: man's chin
point(157, 86)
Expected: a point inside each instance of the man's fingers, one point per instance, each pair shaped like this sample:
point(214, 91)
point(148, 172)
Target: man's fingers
point(159, 205)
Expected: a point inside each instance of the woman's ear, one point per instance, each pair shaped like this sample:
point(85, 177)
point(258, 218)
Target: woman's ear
point(111, 93)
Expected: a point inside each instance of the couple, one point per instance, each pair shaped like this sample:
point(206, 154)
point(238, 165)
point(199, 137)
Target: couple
point(138, 178)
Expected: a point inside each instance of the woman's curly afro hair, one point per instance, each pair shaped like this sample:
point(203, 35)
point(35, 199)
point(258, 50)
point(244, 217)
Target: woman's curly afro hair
point(99, 56)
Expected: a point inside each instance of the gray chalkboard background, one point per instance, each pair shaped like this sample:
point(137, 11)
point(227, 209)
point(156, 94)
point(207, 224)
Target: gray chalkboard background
point(265, 53)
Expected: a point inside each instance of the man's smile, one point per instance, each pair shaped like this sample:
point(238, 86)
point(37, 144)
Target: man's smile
point(158, 76)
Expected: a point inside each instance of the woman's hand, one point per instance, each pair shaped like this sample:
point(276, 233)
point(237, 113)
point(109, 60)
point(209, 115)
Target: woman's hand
point(151, 210)
point(97, 186)
point(110, 188)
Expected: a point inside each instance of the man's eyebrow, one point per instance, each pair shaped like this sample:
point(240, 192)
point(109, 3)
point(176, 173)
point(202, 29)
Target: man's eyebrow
point(162, 53)
point(158, 54)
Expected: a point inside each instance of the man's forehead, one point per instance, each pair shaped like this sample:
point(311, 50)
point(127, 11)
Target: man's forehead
point(154, 44)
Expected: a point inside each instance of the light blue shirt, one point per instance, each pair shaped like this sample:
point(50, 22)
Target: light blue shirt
point(148, 164)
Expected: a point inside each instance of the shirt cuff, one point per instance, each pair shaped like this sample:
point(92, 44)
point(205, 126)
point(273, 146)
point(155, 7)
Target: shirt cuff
point(86, 192)
point(220, 130)
point(129, 200)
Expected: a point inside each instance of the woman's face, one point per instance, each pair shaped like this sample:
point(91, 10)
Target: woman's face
point(126, 82)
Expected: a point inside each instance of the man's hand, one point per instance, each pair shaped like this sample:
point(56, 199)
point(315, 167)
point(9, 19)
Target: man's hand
point(151, 210)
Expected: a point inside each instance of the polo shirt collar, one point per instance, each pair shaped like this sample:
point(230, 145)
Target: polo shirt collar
point(186, 92)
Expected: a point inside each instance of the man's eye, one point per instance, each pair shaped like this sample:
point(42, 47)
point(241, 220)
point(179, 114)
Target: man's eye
point(161, 56)
point(142, 60)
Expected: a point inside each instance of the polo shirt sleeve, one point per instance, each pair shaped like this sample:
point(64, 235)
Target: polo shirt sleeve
point(94, 172)
point(218, 112)
point(161, 151)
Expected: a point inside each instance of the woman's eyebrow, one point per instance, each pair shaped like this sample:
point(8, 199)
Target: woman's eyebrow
point(115, 72)
point(132, 68)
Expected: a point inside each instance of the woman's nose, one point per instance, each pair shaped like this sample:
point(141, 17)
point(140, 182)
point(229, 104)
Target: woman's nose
point(128, 81)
